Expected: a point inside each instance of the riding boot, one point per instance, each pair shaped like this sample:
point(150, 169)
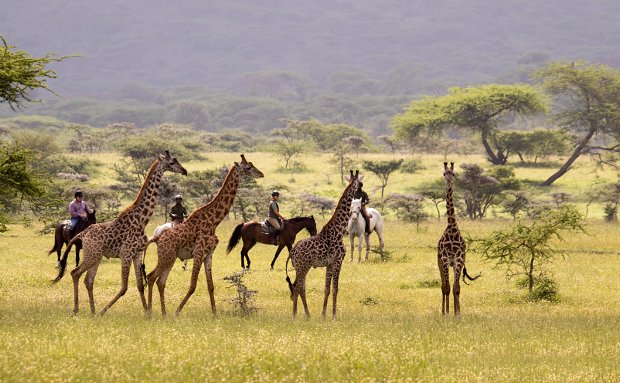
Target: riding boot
point(367, 226)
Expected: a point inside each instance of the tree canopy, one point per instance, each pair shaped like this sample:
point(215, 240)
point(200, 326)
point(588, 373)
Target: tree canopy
point(20, 74)
point(480, 109)
point(588, 104)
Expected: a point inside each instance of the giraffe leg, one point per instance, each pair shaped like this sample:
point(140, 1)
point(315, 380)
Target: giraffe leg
point(456, 290)
point(328, 283)
point(89, 281)
point(125, 267)
point(208, 262)
point(90, 260)
point(75, 275)
point(137, 262)
point(335, 279)
point(193, 282)
point(303, 297)
point(161, 286)
point(298, 285)
point(445, 287)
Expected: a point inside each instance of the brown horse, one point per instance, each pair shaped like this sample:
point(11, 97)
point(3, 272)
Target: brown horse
point(251, 233)
point(62, 236)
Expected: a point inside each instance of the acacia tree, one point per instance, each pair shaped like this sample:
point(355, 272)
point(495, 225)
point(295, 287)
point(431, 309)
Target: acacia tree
point(20, 74)
point(588, 105)
point(480, 109)
point(20, 182)
point(382, 169)
point(526, 249)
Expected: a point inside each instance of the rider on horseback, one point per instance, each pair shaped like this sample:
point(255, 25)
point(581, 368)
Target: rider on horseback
point(360, 194)
point(178, 212)
point(274, 217)
point(77, 210)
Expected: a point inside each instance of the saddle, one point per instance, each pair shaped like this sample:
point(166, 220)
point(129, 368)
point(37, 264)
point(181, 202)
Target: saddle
point(266, 228)
point(65, 225)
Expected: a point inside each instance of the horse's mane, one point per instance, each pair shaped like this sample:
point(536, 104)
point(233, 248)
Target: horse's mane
point(299, 219)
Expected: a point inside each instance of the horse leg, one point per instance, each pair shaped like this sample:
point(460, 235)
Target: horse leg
point(359, 246)
point(367, 238)
point(245, 253)
point(352, 241)
point(280, 247)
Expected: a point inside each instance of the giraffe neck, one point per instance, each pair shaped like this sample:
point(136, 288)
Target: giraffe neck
point(144, 204)
point(450, 204)
point(340, 218)
point(220, 205)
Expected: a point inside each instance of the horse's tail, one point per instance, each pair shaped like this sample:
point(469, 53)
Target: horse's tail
point(57, 244)
point(288, 279)
point(234, 238)
point(65, 255)
point(468, 277)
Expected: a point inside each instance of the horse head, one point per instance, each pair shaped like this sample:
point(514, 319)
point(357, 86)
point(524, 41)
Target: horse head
point(311, 226)
point(356, 208)
point(91, 217)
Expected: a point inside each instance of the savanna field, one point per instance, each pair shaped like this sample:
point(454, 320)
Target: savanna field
point(389, 325)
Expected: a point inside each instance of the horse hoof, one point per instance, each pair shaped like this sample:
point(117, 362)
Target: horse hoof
point(58, 265)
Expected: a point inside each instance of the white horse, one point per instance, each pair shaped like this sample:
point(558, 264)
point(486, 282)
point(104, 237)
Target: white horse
point(357, 226)
point(160, 229)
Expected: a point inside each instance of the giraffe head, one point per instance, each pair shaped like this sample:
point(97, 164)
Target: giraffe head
point(448, 172)
point(171, 164)
point(245, 168)
point(354, 179)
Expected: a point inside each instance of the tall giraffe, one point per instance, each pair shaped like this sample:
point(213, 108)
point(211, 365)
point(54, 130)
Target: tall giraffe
point(323, 250)
point(451, 250)
point(195, 238)
point(122, 238)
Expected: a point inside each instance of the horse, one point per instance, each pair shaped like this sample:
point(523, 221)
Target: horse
point(160, 229)
point(62, 236)
point(357, 226)
point(251, 233)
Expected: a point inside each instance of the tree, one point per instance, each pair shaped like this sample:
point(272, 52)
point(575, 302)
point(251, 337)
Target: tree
point(341, 158)
point(21, 73)
point(526, 249)
point(435, 192)
point(588, 105)
point(356, 143)
point(480, 109)
point(382, 169)
point(481, 191)
point(409, 207)
point(536, 144)
point(19, 181)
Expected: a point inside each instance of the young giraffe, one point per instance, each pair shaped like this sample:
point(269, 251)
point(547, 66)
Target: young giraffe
point(323, 250)
point(451, 250)
point(195, 238)
point(122, 238)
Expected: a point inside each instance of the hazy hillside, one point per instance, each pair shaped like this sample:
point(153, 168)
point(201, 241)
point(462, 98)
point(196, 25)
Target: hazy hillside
point(170, 44)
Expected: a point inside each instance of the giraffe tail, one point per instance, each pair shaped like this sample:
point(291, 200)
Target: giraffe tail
point(288, 279)
point(468, 277)
point(63, 262)
point(234, 238)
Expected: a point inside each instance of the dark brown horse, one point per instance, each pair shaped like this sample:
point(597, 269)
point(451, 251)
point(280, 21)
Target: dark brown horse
point(62, 236)
point(251, 233)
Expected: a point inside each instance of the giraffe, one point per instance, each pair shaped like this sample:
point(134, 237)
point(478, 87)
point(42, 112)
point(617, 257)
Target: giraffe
point(323, 250)
point(122, 238)
point(451, 250)
point(195, 238)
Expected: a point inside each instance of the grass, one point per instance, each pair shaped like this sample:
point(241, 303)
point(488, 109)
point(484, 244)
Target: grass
point(389, 326)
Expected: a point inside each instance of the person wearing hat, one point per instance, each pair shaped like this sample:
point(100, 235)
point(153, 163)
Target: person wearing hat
point(178, 212)
point(77, 210)
point(273, 216)
point(360, 194)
